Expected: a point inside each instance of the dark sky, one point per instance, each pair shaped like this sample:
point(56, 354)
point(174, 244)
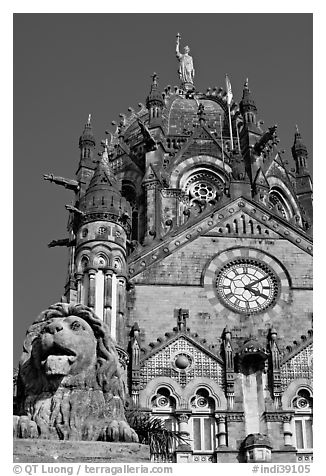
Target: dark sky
point(69, 65)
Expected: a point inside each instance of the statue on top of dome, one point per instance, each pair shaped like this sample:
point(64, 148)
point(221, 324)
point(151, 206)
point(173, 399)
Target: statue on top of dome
point(186, 67)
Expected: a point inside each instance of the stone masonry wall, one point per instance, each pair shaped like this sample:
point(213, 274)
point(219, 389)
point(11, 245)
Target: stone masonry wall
point(176, 282)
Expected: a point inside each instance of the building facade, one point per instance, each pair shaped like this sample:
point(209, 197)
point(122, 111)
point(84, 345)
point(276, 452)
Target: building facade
point(191, 237)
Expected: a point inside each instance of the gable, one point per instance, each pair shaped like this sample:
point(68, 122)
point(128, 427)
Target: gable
point(243, 225)
point(163, 364)
point(217, 219)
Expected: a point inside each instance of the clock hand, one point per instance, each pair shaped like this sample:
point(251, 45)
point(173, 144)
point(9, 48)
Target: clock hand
point(257, 281)
point(253, 291)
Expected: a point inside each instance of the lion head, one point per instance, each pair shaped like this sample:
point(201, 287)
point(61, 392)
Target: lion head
point(70, 382)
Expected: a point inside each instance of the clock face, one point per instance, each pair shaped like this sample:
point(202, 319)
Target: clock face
point(247, 285)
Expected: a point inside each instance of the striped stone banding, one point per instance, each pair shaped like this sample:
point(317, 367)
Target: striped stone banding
point(200, 160)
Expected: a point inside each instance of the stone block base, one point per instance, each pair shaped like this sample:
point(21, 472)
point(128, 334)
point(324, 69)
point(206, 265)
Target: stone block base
point(51, 451)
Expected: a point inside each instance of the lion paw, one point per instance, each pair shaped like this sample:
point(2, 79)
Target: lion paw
point(24, 427)
point(120, 431)
point(126, 433)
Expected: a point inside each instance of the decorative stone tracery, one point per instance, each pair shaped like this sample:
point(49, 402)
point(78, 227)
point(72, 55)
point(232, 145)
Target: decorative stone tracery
point(177, 362)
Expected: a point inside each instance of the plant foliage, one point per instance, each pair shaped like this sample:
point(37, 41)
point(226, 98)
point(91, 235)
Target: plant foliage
point(153, 432)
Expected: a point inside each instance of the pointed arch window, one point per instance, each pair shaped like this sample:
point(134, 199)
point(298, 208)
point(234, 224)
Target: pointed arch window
point(277, 200)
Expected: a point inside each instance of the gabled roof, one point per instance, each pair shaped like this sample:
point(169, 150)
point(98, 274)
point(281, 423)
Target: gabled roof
point(210, 219)
point(297, 347)
point(193, 339)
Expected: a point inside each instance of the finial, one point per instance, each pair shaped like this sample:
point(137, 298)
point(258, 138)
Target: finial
point(246, 84)
point(178, 36)
point(89, 118)
point(297, 129)
point(154, 78)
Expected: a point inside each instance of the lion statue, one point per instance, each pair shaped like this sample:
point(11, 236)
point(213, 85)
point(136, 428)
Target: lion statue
point(70, 384)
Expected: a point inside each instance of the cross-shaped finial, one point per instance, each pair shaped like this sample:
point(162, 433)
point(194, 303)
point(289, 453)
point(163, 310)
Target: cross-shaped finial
point(183, 315)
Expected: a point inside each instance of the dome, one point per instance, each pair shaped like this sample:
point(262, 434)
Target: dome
point(257, 439)
point(103, 198)
point(183, 114)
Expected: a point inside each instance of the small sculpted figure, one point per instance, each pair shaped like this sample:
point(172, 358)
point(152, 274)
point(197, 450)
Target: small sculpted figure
point(70, 384)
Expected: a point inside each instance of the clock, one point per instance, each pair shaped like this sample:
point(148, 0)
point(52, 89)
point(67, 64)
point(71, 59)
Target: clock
point(247, 285)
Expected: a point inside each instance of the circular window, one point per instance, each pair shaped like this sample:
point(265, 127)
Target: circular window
point(182, 361)
point(204, 186)
point(203, 191)
point(247, 285)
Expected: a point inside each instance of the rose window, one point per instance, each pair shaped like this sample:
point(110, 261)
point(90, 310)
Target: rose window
point(203, 191)
point(204, 187)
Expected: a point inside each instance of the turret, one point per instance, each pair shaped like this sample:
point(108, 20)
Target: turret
point(87, 150)
point(300, 154)
point(102, 231)
point(303, 179)
point(250, 131)
point(155, 104)
point(248, 107)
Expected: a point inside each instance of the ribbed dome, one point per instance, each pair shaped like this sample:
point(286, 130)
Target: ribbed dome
point(183, 115)
point(103, 198)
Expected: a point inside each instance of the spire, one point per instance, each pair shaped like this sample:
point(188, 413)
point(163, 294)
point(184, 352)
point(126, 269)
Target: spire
point(299, 153)
point(154, 96)
point(247, 104)
point(103, 177)
point(87, 135)
point(155, 103)
point(103, 198)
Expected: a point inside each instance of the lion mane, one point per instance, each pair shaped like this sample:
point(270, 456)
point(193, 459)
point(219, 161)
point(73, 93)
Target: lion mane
point(87, 404)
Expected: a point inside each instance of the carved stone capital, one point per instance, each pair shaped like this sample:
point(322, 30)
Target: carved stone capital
point(220, 417)
point(183, 418)
point(151, 185)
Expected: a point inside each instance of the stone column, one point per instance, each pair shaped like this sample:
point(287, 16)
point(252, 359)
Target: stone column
point(287, 430)
point(184, 451)
point(121, 306)
point(221, 432)
point(79, 278)
point(183, 419)
point(91, 292)
point(114, 307)
point(107, 295)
